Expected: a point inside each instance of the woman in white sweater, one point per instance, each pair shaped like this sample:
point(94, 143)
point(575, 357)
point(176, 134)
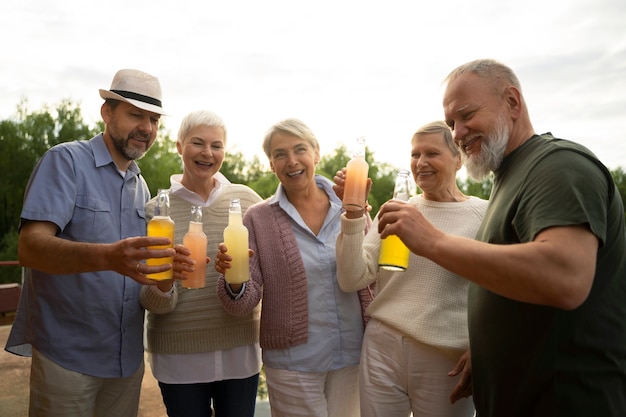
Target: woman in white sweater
point(418, 328)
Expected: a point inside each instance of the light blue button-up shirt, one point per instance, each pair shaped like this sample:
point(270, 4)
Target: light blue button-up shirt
point(90, 323)
point(335, 322)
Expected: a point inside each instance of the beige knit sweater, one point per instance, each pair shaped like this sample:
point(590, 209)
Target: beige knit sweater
point(193, 320)
point(426, 302)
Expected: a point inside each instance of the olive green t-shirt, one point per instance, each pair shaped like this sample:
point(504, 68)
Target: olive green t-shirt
point(533, 360)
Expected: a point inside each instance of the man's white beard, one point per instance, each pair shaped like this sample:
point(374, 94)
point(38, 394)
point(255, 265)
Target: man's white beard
point(489, 157)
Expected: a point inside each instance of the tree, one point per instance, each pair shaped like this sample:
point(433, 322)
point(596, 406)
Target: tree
point(619, 176)
point(235, 167)
point(481, 189)
point(160, 162)
point(8, 252)
point(23, 140)
point(252, 173)
point(329, 164)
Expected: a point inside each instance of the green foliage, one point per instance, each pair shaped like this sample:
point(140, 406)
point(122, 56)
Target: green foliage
point(17, 162)
point(329, 164)
point(8, 252)
point(23, 140)
point(382, 189)
point(160, 162)
point(265, 185)
point(262, 389)
point(480, 189)
point(235, 167)
point(619, 176)
point(252, 173)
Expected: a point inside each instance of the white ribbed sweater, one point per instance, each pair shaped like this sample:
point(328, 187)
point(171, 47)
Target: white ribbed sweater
point(426, 302)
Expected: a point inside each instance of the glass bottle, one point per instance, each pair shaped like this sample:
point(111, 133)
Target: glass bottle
point(236, 241)
point(161, 225)
point(355, 185)
point(394, 255)
point(195, 240)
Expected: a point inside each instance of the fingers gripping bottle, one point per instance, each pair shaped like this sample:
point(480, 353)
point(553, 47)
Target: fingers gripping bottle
point(394, 255)
point(161, 225)
point(236, 241)
point(195, 240)
point(355, 185)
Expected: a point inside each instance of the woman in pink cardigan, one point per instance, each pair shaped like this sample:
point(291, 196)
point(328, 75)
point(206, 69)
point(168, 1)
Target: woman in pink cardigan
point(311, 331)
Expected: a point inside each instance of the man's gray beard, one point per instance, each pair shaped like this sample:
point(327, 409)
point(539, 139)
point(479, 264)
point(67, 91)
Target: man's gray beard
point(479, 165)
point(127, 151)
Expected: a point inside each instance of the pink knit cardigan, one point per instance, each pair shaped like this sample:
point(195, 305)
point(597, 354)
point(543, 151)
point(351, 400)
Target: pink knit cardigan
point(278, 276)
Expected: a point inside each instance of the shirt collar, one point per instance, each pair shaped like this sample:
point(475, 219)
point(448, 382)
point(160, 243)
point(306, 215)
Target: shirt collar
point(322, 182)
point(179, 190)
point(103, 157)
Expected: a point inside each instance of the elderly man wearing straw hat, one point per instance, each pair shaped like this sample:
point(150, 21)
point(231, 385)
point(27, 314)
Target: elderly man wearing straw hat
point(82, 243)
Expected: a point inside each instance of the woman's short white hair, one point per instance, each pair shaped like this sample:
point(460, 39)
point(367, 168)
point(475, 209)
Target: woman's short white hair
point(199, 118)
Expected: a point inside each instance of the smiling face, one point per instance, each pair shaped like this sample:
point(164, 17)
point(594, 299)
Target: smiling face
point(129, 132)
point(477, 115)
point(434, 166)
point(202, 151)
point(293, 160)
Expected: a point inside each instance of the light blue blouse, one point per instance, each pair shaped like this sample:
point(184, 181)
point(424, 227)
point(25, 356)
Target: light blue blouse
point(335, 322)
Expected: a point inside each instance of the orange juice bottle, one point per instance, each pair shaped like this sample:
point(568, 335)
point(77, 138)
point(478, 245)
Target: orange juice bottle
point(394, 255)
point(355, 185)
point(236, 241)
point(195, 240)
point(161, 225)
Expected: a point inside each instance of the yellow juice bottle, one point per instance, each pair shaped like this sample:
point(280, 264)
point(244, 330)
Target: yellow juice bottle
point(236, 241)
point(394, 255)
point(195, 240)
point(161, 225)
point(355, 186)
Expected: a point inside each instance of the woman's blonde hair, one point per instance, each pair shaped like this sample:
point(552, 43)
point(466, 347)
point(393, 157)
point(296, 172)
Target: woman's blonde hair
point(293, 127)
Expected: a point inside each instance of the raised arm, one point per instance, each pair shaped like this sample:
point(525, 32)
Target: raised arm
point(555, 269)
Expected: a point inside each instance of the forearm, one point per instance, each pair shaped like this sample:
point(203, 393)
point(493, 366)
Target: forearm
point(243, 305)
point(354, 271)
point(158, 302)
point(55, 255)
point(555, 269)
point(547, 271)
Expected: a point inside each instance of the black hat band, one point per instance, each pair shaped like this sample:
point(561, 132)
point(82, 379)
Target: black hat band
point(140, 97)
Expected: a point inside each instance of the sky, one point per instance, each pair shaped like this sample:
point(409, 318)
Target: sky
point(346, 68)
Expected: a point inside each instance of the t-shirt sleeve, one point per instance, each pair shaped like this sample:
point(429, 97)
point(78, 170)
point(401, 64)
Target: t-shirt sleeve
point(565, 188)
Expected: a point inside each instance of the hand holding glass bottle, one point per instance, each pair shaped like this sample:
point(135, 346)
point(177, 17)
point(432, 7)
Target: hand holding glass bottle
point(394, 255)
point(355, 185)
point(161, 225)
point(196, 241)
point(236, 242)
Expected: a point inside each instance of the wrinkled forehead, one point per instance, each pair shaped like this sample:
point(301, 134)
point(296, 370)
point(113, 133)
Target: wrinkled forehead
point(464, 91)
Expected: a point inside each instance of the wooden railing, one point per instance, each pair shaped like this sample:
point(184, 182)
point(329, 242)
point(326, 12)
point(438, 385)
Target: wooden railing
point(9, 293)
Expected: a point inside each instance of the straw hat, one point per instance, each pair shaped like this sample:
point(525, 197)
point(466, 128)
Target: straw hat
point(137, 88)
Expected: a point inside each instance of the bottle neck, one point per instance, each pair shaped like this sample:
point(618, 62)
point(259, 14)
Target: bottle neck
point(162, 207)
point(234, 218)
point(195, 227)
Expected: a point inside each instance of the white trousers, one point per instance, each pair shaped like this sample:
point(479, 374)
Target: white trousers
point(399, 375)
point(58, 392)
point(319, 394)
